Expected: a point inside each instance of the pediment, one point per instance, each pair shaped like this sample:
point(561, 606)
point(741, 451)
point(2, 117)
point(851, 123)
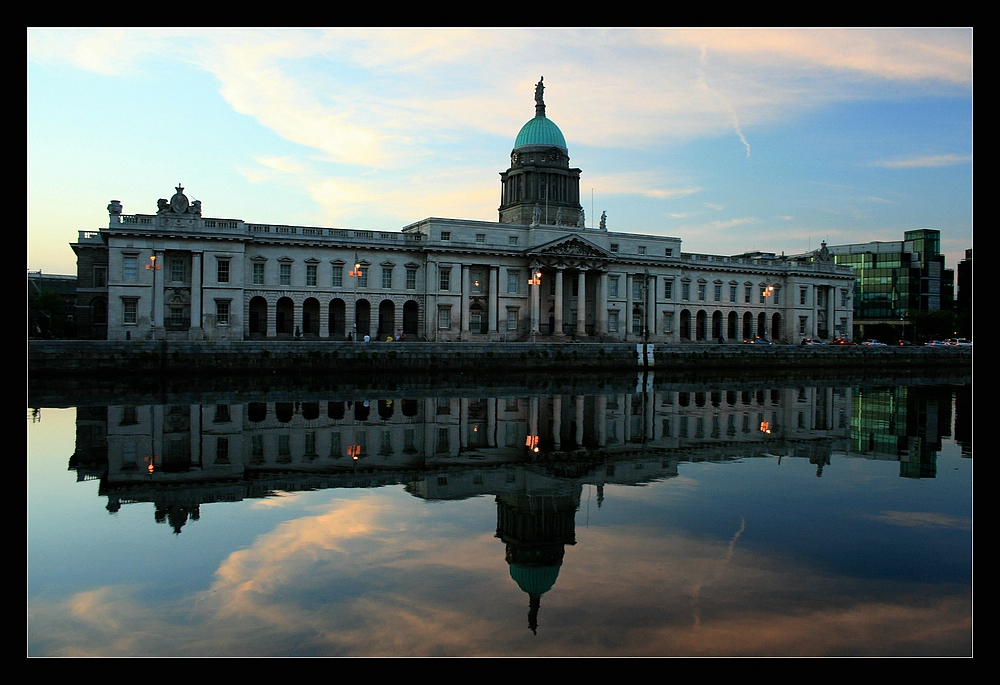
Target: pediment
point(571, 247)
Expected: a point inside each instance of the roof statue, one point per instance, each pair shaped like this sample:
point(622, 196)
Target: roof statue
point(539, 101)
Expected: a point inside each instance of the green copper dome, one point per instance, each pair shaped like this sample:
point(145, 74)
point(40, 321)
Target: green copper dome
point(540, 131)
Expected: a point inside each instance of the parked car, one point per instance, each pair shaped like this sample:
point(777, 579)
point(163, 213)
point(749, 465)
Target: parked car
point(874, 343)
point(936, 343)
point(758, 341)
point(958, 342)
point(844, 341)
point(905, 343)
point(812, 341)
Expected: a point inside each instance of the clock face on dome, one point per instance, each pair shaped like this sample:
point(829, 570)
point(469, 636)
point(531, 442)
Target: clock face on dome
point(513, 158)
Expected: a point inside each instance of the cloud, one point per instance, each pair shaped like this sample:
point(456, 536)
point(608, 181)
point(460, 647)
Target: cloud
point(920, 519)
point(925, 161)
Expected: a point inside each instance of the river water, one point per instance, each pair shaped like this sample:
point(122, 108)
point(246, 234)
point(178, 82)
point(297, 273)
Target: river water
point(637, 518)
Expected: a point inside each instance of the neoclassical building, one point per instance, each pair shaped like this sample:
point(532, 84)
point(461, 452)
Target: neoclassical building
point(537, 273)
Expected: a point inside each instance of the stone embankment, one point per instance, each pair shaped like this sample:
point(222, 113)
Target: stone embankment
point(124, 359)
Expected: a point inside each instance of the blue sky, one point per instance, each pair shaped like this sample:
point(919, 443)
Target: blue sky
point(728, 139)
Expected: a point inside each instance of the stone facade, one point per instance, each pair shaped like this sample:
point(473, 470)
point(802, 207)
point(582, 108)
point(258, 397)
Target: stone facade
point(537, 274)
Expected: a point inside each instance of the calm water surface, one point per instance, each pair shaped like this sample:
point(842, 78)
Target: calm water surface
point(658, 520)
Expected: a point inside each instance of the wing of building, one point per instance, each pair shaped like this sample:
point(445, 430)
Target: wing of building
point(538, 273)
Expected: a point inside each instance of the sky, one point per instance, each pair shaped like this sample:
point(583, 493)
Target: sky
point(732, 140)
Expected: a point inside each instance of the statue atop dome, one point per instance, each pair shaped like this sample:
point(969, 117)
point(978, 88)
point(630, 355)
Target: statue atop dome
point(539, 101)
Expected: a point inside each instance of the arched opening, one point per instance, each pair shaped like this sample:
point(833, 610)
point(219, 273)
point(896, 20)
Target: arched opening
point(335, 410)
point(636, 321)
point(362, 318)
point(310, 411)
point(310, 318)
point(716, 325)
point(410, 407)
point(284, 317)
point(762, 325)
point(411, 313)
point(256, 412)
point(747, 326)
point(734, 322)
point(338, 319)
point(685, 325)
point(362, 410)
point(386, 319)
point(258, 317)
point(776, 332)
point(700, 324)
point(385, 409)
point(284, 411)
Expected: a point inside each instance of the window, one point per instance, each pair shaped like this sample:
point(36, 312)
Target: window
point(445, 235)
point(363, 278)
point(637, 293)
point(176, 318)
point(222, 451)
point(668, 322)
point(222, 414)
point(480, 238)
point(513, 286)
point(776, 294)
point(335, 444)
point(613, 322)
point(129, 416)
point(411, 278)
point(387, 277)
point(284, 448)
point(310, 275)
point(130, 268)
point(642, 249)
point(130, 308)
point(310, 443)
point(176, 270)
point(477, 281)
point(763, 295)
point(802, 324)
point(685, 291)
point(512, 241)
point(668, 252)
point(445, 278)
point(843, 298)
point(668, 289)
point(258, 273)
point(614, 247)
point(338, 276)
point(802, 295)
point(222, 312)
point(100, 276)
point(223, 271)
point(444, 317)
point(747, 293)
point(718, 293)
point(701, 291)
point(732, 293)
point(511, 319)
point(613, 287)
point(286, 274)
point(636, 323)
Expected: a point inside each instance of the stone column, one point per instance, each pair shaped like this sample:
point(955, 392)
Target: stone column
point(463, 423)
point(557, 422)
point(600, 417)
point(629, 289)
point(159, 294)
point(272, 317)
point(324, 317)
point(650, 408)
point(579, 421)
point(581, 304)
point(559, 302)
point(601, 315)
point(494, 298)
point(535, 294)
point(197, 297)
point(533, 418)
point(626, 414)
point(466, 290)
point(651, 305)
point(491, 422)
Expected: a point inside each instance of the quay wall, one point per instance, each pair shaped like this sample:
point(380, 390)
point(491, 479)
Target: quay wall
point(124, 359)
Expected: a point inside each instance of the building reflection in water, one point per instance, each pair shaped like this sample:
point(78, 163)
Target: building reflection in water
point(534, 453)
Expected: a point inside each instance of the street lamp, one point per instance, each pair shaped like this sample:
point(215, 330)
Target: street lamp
point(154, 267)
point(767, 292)
point(356, 273)
point(535, 280)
